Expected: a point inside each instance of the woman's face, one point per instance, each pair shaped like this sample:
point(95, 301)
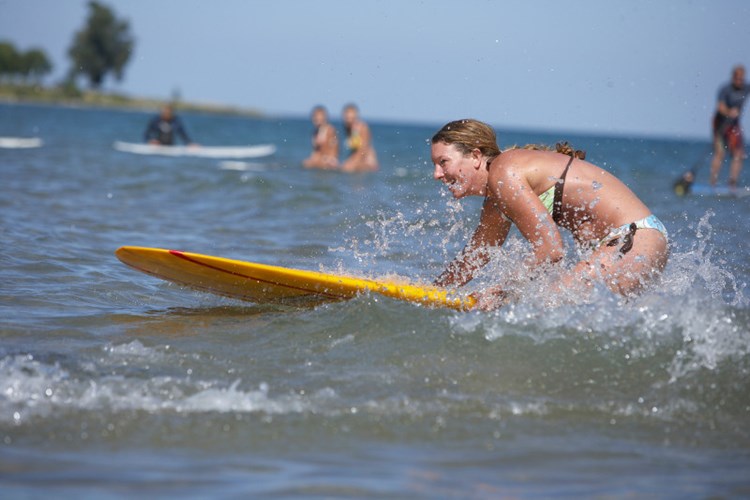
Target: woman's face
point(349, 116)
point(460, 173)
point(319, 117)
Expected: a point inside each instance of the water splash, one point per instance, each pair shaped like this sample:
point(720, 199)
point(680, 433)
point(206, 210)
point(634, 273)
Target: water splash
point(423, 233)
point(698, 267)
point(686, 332)
point(693, 320)
point(689, 319)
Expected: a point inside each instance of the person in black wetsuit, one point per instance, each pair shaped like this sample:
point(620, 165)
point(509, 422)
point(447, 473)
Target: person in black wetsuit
point(163, 128)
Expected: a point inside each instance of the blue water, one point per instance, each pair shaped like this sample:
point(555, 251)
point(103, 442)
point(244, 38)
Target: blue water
point(113, 383)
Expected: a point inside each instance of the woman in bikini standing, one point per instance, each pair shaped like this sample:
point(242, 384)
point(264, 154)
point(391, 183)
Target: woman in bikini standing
point(539, 190)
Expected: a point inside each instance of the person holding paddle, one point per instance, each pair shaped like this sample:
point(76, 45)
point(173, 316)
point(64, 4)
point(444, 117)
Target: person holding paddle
point(539, 190)
point(727, 133)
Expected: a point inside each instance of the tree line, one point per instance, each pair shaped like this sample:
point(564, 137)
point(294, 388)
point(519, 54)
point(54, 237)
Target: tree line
point(18, 66)
point(103, 46)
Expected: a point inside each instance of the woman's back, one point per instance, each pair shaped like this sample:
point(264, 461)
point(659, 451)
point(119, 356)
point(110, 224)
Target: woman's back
point(593, 202)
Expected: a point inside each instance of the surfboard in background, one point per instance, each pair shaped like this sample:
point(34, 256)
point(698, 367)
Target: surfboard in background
point(257, 151)
point(265, 284)
point(20, 142)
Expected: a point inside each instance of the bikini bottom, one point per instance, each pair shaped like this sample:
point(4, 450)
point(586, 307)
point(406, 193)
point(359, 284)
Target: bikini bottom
point(626, 232)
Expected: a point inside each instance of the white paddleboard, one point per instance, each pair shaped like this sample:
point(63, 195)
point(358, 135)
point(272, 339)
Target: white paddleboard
point(20, 142)
point(197, 150)
point(719, 191)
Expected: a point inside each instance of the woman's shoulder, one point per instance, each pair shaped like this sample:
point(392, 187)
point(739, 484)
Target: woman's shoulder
point(514, 154)
point(517, 159)
point(360, 126)
point(509, 167)
point(526, 165)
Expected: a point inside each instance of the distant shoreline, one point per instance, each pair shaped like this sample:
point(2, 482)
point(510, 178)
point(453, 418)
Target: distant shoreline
point(37, 94)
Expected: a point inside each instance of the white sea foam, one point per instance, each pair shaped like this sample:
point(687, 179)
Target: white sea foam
point(135, 349)
point(31, 388)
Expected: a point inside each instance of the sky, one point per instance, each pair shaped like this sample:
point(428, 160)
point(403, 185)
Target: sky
point(630, 68)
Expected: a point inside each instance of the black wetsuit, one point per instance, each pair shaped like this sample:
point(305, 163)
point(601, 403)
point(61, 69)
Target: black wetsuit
point(164, 130)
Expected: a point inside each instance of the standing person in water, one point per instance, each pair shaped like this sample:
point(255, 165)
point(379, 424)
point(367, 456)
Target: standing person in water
point(325, 142)
point(362, 157)
point(163, 127)
point(726, 126)
point(538, 190)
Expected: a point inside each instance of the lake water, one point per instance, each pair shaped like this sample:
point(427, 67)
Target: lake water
point(114, 383)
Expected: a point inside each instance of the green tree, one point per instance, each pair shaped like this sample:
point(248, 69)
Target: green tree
point(9, 61)
point(34, 64)
point(102, 46)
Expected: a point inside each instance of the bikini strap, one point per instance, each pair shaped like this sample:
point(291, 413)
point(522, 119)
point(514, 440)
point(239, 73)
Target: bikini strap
point(558, 194)
point(627, 240)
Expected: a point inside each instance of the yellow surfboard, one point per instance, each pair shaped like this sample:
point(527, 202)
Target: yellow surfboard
point(262, 283)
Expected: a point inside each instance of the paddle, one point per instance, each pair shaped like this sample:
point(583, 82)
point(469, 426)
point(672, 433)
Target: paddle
point(682, 185)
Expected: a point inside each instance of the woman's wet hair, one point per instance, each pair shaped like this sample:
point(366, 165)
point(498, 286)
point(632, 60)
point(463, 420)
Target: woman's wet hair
point(469, 134)
point(561, 147)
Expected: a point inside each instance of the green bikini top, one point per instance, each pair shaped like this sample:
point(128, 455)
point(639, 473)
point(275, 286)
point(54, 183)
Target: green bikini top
point(552, 198)
point(548, 198)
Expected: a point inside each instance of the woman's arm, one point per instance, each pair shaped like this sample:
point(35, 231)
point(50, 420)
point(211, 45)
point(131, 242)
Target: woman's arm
point(365, 136)
point(332, 139)
point(492, 230)
point(517, 199)
point(180, 129)
point(152, 131)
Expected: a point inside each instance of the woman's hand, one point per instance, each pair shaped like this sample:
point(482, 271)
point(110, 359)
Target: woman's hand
point(491, 298)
